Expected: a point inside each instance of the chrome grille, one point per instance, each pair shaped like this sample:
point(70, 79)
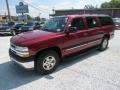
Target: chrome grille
point(12, 46)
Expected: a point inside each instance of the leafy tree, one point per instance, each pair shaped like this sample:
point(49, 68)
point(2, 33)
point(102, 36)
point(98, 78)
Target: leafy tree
point(111, 4)
point(29, 17)
point(90, 7)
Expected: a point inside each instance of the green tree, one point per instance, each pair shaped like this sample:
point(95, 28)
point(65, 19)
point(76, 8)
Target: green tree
point(90, 7)
point(111, 4)
point(29, 17)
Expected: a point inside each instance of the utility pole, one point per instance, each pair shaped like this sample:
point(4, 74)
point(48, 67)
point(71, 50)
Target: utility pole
point(53, 10)
point(40, 16)
point(9, 17)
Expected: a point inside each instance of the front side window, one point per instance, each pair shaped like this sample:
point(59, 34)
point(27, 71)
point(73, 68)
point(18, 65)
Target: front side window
point(55, 24)
point(78, 23)
point(91, 22)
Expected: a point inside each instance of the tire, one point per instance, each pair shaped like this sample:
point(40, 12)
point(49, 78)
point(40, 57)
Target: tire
point(104, 44)
point(43, 63)
point(13, 33)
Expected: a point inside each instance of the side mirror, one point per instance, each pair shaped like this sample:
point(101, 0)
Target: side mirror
point(72, 30)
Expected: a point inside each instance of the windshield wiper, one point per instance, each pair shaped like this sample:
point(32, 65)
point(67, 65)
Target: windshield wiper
point(49, 30)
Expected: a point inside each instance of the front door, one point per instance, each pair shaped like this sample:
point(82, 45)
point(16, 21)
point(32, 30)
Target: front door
point(73, 41)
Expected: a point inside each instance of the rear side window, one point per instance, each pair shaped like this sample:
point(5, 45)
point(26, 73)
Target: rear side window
point(78, 23)
point(105, 21)
point(91, 22)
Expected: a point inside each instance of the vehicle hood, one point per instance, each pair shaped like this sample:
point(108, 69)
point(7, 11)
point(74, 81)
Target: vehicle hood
point(31, 37)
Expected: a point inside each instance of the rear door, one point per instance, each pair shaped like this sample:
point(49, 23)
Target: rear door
point(94, 33)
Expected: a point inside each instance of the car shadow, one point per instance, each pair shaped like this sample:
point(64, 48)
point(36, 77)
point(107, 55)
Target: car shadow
point(13, 76)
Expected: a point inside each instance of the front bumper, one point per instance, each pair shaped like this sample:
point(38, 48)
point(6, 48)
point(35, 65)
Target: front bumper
point(24, 62)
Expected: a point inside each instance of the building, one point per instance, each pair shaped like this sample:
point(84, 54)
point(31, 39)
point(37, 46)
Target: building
point(1, 18)
point(113, 12)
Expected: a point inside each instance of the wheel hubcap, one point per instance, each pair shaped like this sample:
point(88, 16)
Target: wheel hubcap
point(49, 62)
point(105, 42)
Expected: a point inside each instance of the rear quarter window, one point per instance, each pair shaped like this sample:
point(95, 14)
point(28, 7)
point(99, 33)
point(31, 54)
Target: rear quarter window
point(106, 21)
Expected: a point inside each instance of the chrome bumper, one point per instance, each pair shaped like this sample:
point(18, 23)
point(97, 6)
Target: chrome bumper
point(26, 65)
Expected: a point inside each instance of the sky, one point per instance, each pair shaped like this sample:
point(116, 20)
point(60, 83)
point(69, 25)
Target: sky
point(45, 6)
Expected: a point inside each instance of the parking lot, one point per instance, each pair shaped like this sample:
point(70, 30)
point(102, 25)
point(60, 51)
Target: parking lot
point(92, 71)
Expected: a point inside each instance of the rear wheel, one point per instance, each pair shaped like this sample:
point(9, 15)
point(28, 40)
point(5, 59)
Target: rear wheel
point(104, 44)
point(46, 62)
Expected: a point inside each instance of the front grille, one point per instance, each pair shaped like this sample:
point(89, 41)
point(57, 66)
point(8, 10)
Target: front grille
point(12, 46)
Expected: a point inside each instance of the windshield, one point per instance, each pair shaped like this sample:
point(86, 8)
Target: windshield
point(29, 24)
point(55, 24)
point(5, 25)
point(19, 25)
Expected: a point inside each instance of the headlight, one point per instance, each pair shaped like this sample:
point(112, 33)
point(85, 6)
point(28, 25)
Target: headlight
point(20, 51)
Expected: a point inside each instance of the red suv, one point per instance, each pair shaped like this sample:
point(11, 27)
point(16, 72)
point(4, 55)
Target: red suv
point(61, 36)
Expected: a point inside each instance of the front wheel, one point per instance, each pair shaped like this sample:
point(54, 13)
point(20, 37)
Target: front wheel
point(46, 62)
point(104, 44)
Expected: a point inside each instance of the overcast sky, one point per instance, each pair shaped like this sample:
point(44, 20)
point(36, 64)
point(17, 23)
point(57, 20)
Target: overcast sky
point(46, 6)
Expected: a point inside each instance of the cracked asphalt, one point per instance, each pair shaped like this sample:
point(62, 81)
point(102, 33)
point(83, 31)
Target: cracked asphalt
point(92, 71)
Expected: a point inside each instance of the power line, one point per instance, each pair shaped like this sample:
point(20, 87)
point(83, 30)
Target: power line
point(35, 7)
point(41, 7)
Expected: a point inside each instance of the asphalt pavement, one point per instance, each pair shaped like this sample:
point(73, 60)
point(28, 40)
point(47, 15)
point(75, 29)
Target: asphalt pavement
point(92, 71)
